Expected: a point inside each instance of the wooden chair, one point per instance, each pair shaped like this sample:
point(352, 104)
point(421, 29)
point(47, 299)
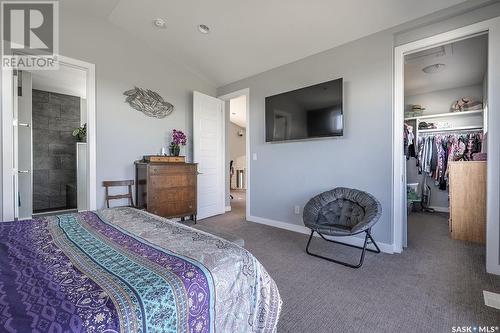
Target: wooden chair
point(113, 183)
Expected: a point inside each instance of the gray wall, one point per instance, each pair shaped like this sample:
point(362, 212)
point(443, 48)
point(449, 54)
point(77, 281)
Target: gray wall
point(288, 174)
point(122, 61)
point(55, 116)
point(124, 134)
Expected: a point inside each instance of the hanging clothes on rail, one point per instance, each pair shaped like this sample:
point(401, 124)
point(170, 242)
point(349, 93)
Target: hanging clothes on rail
point(436, 150)
point(409, 141)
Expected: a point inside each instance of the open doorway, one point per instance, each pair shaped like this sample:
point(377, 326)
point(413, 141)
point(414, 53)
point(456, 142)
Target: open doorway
point(237, 147)
point(59, 151)
point(445, 140)
point(52, 141)
point(236, 139)
point(46, 140)
point(486, 125)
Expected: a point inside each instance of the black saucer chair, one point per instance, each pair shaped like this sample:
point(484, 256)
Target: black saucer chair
point(342, 212)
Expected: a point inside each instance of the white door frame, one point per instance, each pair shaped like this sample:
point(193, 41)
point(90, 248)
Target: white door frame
point(492, 27)
point(7, 186)
point(225, 98)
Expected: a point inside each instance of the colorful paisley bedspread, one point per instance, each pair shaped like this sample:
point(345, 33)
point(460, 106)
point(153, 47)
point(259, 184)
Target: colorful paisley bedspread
point(91, 272)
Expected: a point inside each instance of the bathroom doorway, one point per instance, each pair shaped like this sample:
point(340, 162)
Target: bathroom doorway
point(48, 144)
point(52, 111)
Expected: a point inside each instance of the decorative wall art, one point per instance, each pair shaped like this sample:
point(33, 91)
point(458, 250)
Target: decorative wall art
point(148, 102)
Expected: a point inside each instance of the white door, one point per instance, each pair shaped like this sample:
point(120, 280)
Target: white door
point(208, 152)
point(23, 150)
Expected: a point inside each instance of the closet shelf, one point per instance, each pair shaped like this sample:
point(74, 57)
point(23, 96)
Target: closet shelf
point(451, 129)
point(448, 114)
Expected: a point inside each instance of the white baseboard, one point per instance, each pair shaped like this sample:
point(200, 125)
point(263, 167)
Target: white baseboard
point(228, 208)
point(353, 240)
point(440, 209)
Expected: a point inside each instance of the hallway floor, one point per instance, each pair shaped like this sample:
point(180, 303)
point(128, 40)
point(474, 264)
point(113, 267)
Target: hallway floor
point(433, 285)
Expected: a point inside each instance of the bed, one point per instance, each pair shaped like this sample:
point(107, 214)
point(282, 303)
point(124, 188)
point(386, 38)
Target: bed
point(125, 270)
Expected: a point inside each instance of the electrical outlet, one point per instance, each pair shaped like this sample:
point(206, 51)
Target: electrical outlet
point(296, 209)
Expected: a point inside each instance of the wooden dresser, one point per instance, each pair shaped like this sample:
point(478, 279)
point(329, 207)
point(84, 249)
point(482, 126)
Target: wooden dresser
point(167, 189)
point(468, 201)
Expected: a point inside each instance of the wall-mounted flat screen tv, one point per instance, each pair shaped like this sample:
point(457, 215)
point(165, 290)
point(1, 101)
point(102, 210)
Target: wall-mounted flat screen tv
point(306, 113)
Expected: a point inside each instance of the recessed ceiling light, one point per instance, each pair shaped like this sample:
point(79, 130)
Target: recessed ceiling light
point(159, 23)
point(433, 68)
point(203, 29)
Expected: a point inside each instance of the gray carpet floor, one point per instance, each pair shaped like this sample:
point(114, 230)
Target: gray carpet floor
point(433, 285)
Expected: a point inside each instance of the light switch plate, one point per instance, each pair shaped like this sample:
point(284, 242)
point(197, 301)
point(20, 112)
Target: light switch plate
point(254, 156)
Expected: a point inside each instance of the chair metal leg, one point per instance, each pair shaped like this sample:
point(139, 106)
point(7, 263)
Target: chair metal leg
point(368, 239)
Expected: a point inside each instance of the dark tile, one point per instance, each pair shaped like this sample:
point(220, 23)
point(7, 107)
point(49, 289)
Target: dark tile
point(41, 136)
point(70, 112)
point(67, 137)
point(64, 99)
point(46, 162)
point(62, 149)
point(47, 110)
point(40, 149)
point(40, 202)
point(59, 124)
point(38, 96)
point(62, 176)
point(40, 122)
point(57, 201)
point(41, 177)
point(49, 189)
point(68, 162)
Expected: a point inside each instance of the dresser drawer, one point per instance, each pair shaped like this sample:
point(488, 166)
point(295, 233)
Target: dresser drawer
point(172, 209)
point(165, 195)
point(172, 180)
point(172, 168)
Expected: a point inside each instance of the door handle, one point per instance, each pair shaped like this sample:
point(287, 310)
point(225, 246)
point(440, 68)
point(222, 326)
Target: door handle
point(23, 171)
point(23, 124)
point(200, 173)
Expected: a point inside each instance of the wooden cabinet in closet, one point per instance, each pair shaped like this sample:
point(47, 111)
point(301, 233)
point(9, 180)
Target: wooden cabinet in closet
point(468, 201)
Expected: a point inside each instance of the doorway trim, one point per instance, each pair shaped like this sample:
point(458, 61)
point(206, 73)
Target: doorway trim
point(492, 27)
point(225, 98)
point(7, 136)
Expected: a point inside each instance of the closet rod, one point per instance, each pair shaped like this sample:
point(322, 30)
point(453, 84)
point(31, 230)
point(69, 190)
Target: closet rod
point(453, 129)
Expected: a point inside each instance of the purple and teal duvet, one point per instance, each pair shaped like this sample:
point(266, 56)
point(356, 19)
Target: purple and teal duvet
point(124, 270)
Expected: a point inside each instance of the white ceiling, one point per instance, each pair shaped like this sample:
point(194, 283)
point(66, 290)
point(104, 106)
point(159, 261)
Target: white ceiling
point(66, 80)
point(249, 37)
point(465, 65)
point(238, 111)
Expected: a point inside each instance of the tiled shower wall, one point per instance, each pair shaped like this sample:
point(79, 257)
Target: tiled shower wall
point(55, 116)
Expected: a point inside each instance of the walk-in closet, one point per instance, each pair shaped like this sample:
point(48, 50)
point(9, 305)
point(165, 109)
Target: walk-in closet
point(445, 138)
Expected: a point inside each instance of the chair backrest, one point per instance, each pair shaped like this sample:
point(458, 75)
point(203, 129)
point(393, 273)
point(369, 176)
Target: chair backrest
point(115, 183)
point(343, 206)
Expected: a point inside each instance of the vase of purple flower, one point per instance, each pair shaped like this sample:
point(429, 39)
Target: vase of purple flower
point(178, 139)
